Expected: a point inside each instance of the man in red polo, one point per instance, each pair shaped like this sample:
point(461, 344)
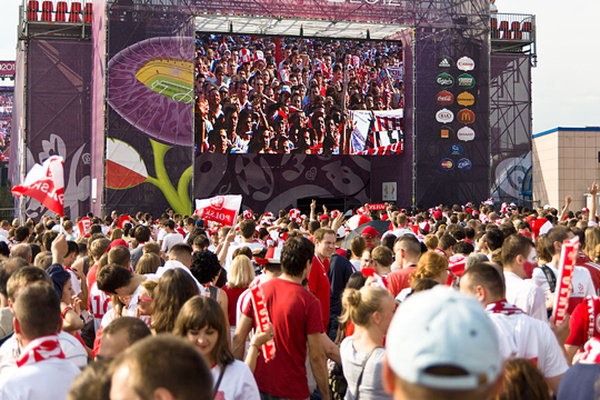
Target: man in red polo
point(318, 283)
point(408, 251)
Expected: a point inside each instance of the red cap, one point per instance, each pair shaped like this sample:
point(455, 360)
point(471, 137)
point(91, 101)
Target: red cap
point(370, 231)
point(437, 214)
point(324, 217)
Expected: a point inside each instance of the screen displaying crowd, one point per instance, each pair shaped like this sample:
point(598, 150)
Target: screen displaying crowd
point(292, 95)
point(6, 106)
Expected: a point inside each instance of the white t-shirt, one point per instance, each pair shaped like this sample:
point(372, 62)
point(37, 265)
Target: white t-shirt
point(233, 246)
point(173, 264)
point(524, 337)
point(170, 240)
point(75, 283)
point(524, 294)
point(99, 303)
point(238, 382)
point(74, 352)
point(581, 287)
point(48, 379)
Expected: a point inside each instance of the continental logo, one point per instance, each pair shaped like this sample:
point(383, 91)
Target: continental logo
point(444, 80)
point(465, 81)
point(444, 98)
point(465, 99)
point(465, 116)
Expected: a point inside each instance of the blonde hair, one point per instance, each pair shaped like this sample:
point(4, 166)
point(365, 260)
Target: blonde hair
point(431, 265)
point(147, 264)
point(359, 305)
point(116, 233)
point(241, 274)
point(592, 240)
point(431, 241)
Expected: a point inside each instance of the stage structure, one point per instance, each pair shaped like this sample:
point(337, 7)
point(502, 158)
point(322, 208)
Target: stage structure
point(51, 115)
point(137, 146)
point(513, 56)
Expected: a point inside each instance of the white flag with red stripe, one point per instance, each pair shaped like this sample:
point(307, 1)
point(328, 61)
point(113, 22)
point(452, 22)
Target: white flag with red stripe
point(45, 183)
point(221, 209)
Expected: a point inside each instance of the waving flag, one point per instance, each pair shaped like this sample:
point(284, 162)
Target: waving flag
point(221, 209)
point(45, 183)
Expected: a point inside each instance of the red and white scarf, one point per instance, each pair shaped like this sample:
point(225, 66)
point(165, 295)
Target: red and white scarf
point(591, 317)
point(40, 349)
point(503, 307)
point(590, 352)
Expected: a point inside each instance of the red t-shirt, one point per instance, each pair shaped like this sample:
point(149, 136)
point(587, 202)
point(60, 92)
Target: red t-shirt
point(580, 322)
point(91, 275)
point(585, 262)
point(398, 280)
point(295, 313)
point(232, 298)
point(318, 284)
point(457, 264)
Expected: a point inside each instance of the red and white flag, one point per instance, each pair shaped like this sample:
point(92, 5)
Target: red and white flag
point(221, 209)
point(261, 316)
point(568, 257)
point(45, 183)
point(84, 226)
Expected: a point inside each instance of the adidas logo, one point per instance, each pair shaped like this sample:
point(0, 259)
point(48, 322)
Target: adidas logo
point(444, 63)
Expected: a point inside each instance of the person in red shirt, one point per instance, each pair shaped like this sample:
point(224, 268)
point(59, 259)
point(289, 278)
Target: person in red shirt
point(318, 283)
point(584, 324)
point(296, 317)
point(408, 251)
point(370, 235)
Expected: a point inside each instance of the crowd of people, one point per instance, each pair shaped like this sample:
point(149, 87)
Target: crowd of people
point(289, 95)
point(453, 302)
point(6, 105)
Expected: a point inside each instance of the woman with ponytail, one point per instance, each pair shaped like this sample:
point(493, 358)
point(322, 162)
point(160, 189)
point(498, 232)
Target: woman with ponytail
point(371, 310)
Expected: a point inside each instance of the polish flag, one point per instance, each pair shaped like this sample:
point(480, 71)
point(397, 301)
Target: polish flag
point(84, 226)
point(221, 209)
point(45, 183)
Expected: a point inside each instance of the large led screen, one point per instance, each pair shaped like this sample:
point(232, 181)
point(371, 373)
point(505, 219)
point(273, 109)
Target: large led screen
point(291, 95)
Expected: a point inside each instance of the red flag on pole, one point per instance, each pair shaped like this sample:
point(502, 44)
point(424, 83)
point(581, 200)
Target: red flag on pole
point(45, 183)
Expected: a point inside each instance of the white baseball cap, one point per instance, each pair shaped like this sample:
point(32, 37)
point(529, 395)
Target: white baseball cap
point(442, 327)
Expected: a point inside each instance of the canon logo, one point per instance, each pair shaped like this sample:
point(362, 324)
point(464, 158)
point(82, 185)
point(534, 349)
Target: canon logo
point(465, 64)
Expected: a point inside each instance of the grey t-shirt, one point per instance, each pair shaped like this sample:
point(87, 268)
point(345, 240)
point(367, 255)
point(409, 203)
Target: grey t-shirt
point(371, 387)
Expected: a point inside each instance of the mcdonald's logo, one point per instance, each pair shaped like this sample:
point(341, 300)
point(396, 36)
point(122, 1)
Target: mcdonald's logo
point(465, 116)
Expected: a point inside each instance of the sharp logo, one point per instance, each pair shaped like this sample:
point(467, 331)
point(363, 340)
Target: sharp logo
point(445, 62)
point(444, 116)
point(444, 98)
point(465, 116)
point(465, 64)
point(444, 80)
point(465, 134)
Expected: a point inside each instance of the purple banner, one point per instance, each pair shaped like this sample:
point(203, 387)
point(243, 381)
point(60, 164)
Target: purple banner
point(272, 182)
point(7, 68)
point(149, 136)
point(58, 116)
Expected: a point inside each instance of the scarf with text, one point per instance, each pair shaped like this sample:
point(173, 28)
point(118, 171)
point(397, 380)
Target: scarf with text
point(40, 349)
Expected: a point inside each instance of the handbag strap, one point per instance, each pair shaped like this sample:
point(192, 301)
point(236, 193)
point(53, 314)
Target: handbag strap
point(362, 370)
point(219, 380)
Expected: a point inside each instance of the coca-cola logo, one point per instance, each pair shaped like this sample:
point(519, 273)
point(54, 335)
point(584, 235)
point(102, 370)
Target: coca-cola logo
point(444, 116)
point(444, 80)
point(444, 98)
point(465, 134)
point(465, 99)
point(466, 116)
point(217, 202)
point(465, 64)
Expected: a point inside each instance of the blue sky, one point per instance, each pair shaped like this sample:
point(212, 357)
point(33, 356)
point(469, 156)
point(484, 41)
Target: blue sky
point(566, 83)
